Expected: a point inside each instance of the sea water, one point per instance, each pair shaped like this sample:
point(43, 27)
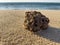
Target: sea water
point(29, 5)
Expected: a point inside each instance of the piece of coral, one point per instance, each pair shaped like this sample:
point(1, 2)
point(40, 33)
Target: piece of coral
point(35, 21)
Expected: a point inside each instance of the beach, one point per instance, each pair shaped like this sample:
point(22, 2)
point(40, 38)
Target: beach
point(12, 31)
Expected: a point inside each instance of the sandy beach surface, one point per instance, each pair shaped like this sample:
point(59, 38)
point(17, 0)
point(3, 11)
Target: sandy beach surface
point(12, 31)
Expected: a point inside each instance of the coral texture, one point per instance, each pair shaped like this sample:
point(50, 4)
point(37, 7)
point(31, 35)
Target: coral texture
point(35, 21)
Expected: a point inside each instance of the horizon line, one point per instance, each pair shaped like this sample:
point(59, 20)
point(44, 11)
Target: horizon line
point(29, 2)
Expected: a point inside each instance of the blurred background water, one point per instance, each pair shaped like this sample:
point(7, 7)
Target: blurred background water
point(30, 5)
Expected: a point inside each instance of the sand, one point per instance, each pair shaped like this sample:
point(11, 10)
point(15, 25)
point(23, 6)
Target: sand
point(12, 31)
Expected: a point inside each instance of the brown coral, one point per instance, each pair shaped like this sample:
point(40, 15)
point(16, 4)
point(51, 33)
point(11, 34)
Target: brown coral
point(35, 21)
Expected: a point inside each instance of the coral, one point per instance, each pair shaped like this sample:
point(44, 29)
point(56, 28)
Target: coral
point(35, 21)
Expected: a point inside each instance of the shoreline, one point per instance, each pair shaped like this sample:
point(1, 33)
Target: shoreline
point(29, 9)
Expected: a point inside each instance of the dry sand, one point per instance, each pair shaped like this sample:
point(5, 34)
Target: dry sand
point(12, 31)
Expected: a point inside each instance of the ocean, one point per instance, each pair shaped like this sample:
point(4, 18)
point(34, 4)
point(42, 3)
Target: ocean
point(29, 5)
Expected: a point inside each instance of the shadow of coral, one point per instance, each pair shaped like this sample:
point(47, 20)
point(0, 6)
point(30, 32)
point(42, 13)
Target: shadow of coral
point(51, 33)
